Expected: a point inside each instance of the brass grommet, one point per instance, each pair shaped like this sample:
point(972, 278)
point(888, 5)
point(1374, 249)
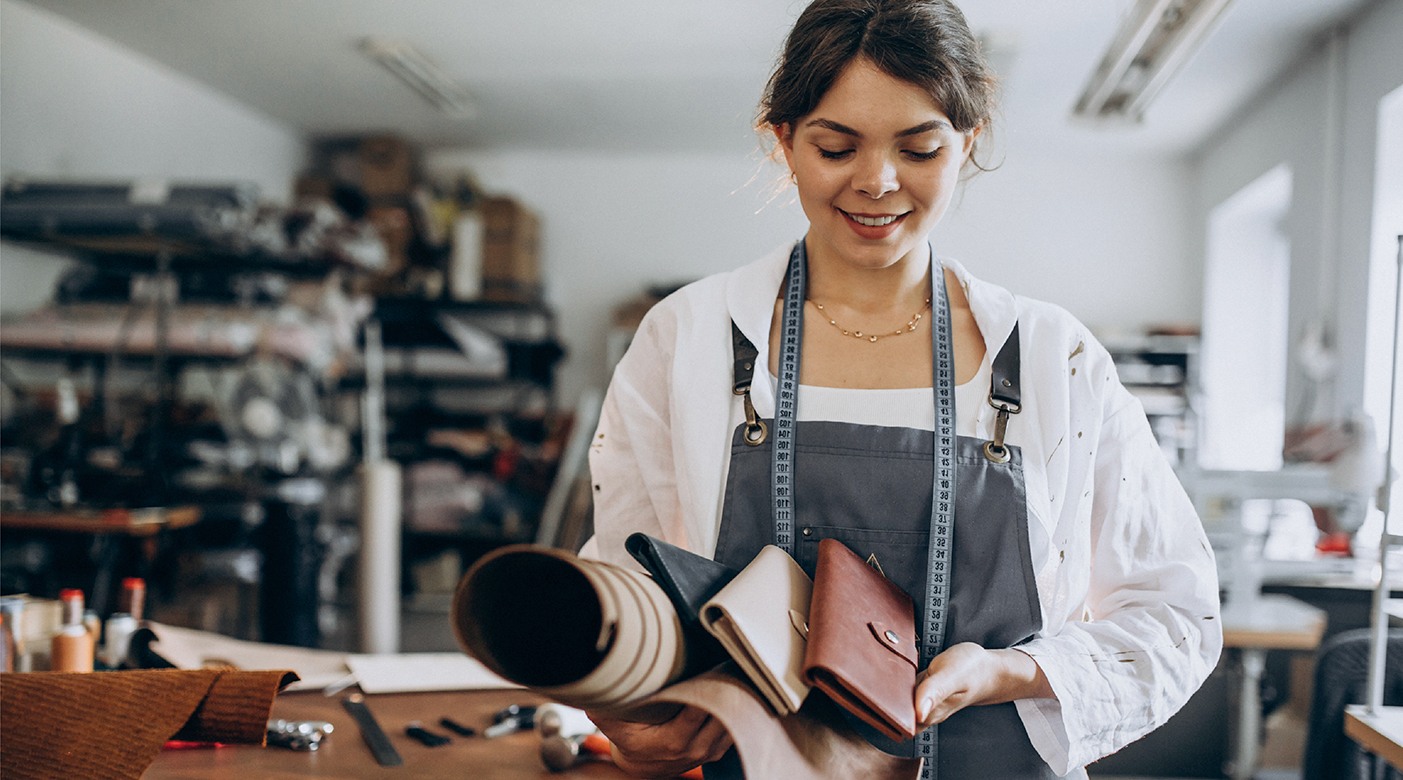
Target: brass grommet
point(999, 454)
point(755, 436)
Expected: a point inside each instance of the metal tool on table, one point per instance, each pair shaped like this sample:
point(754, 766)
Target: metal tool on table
point(298, 734)
point(568, 737)
point(553, 719)
point(560, 752)
point(374, 736)
point(510, 720)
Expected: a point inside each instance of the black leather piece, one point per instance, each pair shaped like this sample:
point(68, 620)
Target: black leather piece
point(689, 580)
point(1003, 380)
point(745, 356)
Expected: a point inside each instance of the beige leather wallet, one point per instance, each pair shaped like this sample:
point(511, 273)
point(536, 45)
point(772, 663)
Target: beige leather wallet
point(761, 618)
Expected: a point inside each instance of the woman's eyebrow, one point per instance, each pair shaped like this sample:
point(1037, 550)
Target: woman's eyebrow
point(924, 127)
point(834, 126)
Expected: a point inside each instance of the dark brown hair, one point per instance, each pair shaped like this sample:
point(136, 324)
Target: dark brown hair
point(924, 42)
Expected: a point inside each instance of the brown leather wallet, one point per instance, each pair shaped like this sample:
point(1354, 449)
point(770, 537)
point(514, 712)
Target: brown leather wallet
point(862, 642)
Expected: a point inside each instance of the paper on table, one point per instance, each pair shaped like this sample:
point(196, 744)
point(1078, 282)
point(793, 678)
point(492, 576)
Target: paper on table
point(189, 648)
point(401, 672)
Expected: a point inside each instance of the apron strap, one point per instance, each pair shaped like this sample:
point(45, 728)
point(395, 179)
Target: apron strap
point(742, 373)
point(1005, 395)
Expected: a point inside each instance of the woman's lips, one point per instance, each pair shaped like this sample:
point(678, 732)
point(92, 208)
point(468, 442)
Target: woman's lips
point(885, 224)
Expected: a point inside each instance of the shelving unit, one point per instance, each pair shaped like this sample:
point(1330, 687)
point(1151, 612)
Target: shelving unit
point(470, 415)
point(1162, 372)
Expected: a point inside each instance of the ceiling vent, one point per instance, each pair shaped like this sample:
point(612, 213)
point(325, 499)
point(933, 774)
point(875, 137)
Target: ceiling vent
point(1156, 40)
point(422, 74)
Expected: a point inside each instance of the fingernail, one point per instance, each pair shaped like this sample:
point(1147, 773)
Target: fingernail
point(923, 711)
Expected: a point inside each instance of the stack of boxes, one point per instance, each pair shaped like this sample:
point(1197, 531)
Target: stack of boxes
point(488, 250)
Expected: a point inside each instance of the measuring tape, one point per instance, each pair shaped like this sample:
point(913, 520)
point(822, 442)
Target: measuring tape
point(941, 546)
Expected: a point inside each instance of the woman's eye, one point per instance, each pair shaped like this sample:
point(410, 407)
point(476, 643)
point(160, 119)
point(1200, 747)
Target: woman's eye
point(838, 155)
point(931, 155)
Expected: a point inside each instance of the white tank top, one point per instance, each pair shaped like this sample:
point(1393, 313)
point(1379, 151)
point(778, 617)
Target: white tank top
point(909, 407)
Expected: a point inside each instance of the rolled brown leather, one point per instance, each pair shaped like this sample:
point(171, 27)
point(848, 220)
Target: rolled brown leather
point(585, 633)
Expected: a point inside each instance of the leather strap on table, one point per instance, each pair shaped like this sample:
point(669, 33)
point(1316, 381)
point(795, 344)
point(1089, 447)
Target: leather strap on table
point(112, 725)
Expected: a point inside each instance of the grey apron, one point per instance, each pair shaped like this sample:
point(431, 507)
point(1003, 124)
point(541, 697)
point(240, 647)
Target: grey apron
point(871, 488)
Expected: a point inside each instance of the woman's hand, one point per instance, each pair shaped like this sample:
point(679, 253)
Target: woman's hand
point(967, 674)
point(667, 749)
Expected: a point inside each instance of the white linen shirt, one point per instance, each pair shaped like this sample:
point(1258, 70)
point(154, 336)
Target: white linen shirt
point(1125, 576)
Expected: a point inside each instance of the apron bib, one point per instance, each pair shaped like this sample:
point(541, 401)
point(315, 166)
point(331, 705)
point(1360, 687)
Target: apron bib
point(872, 488)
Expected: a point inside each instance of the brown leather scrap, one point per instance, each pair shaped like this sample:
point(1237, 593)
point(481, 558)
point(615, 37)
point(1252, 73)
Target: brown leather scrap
point(112, 725)
point(814, 743)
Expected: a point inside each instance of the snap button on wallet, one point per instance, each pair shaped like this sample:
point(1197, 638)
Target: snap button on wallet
point(862, 642)
point(758, 618)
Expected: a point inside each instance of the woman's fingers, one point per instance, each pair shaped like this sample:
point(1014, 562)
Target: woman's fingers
point(954, 680)
point(716, 737)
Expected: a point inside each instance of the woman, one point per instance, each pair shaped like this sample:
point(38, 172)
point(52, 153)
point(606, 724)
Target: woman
point(1081, 610)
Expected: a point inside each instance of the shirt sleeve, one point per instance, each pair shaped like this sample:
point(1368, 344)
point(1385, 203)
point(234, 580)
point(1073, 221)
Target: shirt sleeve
point(1151, 632)
point(631, 457)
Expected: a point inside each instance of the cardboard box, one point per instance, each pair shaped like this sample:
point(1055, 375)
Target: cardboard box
point(387, 166)
point(396, 229)
point(510, 251)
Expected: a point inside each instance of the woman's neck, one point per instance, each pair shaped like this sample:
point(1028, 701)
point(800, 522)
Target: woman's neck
point(831, 280)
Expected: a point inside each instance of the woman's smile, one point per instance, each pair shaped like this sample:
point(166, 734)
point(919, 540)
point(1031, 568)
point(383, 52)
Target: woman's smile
point(874, 227)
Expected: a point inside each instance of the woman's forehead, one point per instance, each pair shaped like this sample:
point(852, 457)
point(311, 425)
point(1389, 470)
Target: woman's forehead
point(866, 99)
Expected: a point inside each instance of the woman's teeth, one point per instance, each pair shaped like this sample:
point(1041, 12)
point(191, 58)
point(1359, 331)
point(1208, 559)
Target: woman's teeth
point(872, 221)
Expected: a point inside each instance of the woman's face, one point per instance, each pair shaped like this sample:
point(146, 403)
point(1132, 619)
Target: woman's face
point(875, 164)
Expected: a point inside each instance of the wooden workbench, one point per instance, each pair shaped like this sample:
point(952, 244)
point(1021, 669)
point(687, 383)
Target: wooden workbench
point(344, 756)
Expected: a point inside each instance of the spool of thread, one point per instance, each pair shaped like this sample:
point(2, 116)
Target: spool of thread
point(132, 599)
point(72, 600)
point(72, 649)
point(118, 639)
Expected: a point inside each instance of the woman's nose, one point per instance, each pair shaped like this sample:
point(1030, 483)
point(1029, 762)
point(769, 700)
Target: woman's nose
point(875, 176)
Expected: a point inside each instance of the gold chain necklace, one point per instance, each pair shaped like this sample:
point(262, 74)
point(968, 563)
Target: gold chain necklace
point(857, 334)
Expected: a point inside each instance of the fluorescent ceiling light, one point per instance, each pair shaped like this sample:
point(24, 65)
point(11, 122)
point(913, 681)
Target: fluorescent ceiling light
point(422, 75)
point(1156, 40)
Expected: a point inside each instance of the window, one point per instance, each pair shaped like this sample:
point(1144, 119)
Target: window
point(1245, 335)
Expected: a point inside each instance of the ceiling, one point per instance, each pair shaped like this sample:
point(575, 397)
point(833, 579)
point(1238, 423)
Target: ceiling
point(620, 75)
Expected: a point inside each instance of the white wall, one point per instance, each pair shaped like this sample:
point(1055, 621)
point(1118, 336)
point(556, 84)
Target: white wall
point(1329, 275)
point(78, 106)
point(1103, 238)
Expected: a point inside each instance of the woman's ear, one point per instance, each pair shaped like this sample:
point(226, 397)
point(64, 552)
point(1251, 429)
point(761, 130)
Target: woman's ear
point(783, 136)
point(784, 139)
point(970, 138)
point(970, 135)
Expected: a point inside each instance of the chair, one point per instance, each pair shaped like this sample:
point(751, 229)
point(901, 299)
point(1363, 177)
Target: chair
point(1341, 678)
